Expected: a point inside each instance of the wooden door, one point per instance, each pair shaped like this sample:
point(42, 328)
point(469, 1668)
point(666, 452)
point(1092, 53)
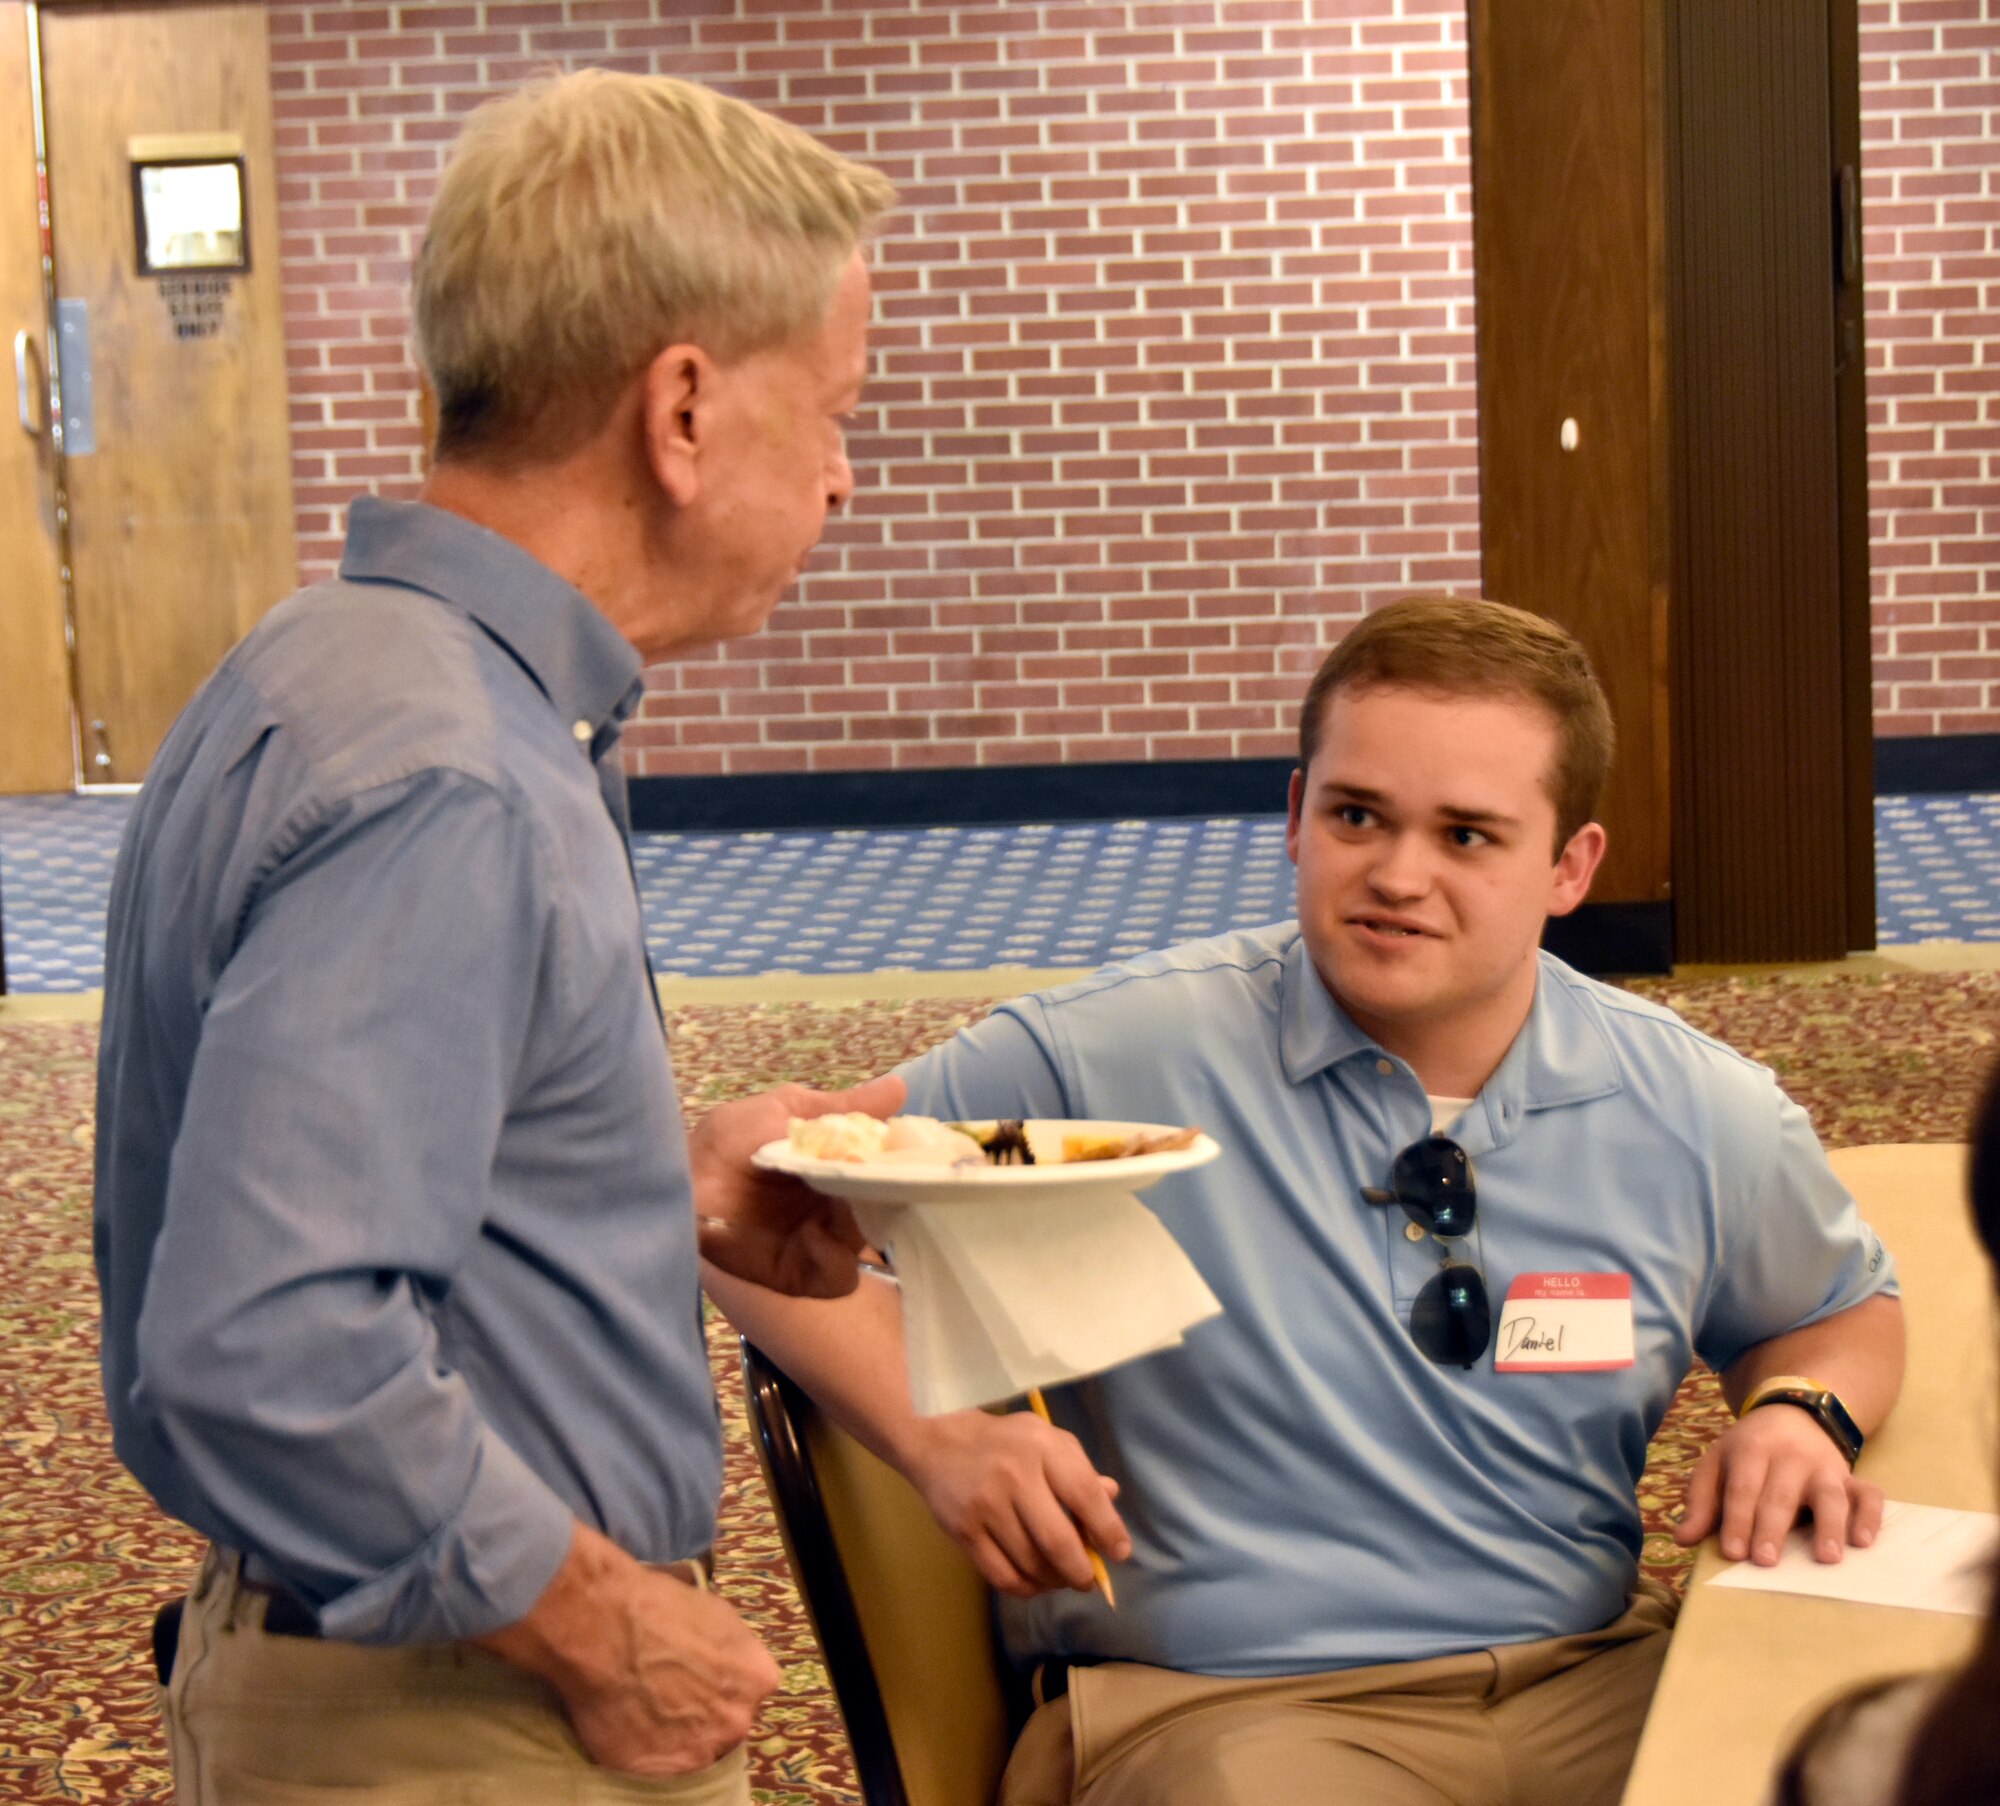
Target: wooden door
point(181, 508)
point(35, 748)
point(1570, 471)
point(1672, 454)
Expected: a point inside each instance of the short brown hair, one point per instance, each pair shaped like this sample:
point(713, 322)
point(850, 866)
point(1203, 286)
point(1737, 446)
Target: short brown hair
point(589, 221)
point(1451, 646)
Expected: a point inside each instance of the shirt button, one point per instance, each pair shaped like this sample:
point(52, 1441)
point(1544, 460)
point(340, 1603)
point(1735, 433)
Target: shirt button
point(582, 732)
point(1385, 1066)
point(1413, 1232)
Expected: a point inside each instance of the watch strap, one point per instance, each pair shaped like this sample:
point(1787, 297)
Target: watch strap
point(1780, 1382)
point(1821, 1403)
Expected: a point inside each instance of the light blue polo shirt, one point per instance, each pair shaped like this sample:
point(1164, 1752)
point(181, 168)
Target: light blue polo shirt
point(1304, 1489)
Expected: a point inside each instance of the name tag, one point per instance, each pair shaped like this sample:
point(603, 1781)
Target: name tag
point(1565, 1323)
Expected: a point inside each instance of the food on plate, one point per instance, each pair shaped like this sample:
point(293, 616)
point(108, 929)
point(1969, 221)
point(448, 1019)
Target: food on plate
point(1004, 1143)
point(1127, 1147)
point(901, 1141)
point(843, 1135)
point(924, 1141)
point(1096, 1145)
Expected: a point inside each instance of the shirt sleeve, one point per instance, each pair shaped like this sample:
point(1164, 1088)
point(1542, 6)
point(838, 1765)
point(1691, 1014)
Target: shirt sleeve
point(1003, 1066)
point(330, 1177)
point(1794, 1247)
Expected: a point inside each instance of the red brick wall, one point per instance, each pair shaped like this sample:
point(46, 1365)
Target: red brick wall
point(1174, 348)
point(1930, 98)
point(1173, 364)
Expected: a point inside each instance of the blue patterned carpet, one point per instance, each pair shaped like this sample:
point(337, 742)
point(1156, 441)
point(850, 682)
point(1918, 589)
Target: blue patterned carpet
point(945, 899)
point(1937, 868)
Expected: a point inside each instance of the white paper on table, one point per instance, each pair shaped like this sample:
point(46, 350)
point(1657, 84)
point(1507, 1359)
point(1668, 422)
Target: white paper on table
point(1926, 1557)
point(1032, 1292)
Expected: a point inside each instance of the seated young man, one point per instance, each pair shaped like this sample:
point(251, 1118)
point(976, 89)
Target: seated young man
point(1367, 1553)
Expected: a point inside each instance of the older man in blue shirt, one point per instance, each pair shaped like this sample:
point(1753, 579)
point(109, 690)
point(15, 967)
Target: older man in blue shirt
point(396, 1223)
point(1475, 1216)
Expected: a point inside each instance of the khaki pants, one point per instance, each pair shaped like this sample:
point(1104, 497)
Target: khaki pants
point(1532, 1724)
point(259, 1720)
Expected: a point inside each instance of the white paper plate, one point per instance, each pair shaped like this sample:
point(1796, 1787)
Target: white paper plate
point(1073, 1181)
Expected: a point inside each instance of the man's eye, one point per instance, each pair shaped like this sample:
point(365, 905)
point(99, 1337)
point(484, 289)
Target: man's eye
point(1352, 815)
point(1469, 837)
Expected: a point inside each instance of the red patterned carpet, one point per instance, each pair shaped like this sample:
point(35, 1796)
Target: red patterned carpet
point(84, 1558)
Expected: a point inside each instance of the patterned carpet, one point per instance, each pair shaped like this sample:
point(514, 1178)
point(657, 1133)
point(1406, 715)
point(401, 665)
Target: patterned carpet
point(1034, 894)
point(84, 1558)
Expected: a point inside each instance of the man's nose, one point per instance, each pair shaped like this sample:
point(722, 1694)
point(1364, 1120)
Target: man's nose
point(839, 482)
point(1402, 868)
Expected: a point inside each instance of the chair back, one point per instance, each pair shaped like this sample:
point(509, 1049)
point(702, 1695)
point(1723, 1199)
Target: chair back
point(904, 1622)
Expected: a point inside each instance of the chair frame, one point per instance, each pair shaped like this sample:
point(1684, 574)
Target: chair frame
point(776, 1407)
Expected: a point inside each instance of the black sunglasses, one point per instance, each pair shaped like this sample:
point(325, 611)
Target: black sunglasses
point(1452, 1319)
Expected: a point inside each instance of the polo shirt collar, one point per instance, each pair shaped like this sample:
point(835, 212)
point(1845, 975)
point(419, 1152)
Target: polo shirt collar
point(1561, 1056)
point(582, 663)
point(1314, 1032)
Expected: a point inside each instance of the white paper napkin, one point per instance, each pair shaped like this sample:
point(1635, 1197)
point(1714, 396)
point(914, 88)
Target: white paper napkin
point(1002, 1296)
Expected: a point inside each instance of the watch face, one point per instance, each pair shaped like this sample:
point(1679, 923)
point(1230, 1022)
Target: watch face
point(1828, 1412)
point(1835, 1415)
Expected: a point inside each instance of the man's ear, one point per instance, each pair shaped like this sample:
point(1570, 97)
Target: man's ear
point(1295, 799)
point(679, 388)
point(1576, 866)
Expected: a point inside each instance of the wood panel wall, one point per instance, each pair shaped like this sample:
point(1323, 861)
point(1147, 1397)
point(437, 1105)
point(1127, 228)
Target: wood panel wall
point(1762, 764)
point(1850, 387)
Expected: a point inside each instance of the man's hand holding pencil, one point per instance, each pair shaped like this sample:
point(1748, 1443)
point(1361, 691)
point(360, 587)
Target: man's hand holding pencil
point(1021, 1498)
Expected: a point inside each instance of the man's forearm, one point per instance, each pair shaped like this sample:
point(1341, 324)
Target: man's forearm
point(657, 1677)
point(563, 1629)
point(1858, 1354)
point(847, 1352)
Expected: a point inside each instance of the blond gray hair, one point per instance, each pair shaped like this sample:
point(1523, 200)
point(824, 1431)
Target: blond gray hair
point(590, 220)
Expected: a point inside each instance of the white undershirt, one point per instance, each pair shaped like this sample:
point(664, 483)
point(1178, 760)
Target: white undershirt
point(1445, 1111)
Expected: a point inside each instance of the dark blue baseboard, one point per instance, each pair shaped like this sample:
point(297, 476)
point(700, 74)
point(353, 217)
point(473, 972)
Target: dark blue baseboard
point(974, 796)
point(1943, 763)
point(985, 795)
point(1614, 940)
point(1601, 938)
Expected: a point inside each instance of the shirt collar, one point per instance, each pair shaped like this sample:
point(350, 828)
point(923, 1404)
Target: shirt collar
point(580, 661)
point(1561, 1056)
point(1314, 1032)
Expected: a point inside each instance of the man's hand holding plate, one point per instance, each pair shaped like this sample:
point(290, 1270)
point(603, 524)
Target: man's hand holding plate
point(766, 1227)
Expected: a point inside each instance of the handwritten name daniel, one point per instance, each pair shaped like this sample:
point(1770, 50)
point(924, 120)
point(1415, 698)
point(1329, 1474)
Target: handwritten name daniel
point(1525, 1336)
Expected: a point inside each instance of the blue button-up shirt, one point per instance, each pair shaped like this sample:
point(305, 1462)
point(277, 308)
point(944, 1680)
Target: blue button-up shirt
point(1305, 1490)
point(394, 1227)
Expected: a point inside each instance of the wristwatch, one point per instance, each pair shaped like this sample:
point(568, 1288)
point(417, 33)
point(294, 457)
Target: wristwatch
point(1818, 1402)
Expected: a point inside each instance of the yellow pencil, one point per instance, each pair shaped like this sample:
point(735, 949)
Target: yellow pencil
point(1097, 1567)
